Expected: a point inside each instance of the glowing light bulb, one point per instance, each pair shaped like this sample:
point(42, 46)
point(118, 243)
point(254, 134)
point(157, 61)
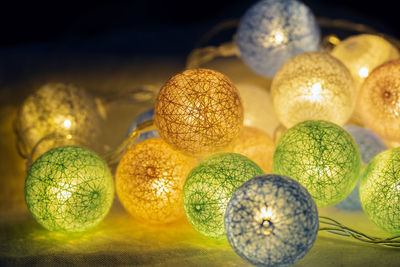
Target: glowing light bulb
point(379, 100)
point(271, 220)
point(363, 53)
point(313, 86)
point(199, 112)
point(322, 157)
point(271, 32)
point(69, 189)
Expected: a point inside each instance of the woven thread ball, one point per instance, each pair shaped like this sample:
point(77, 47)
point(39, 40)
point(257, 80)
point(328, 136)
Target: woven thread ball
point(363, 53)
point(199, 112)
point(272, 31)
point(208, 188)
point(313, 86)
point(69, 189)
point(271, 220)
point(147, 115)
point(322, 157)
point(369, 145)
point(380, 190)
point(149, 181)
point(379, 100)
point(57, 108)
point(257, 146)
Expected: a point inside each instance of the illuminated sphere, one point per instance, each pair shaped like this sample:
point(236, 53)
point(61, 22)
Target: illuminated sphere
point(199, 112)
point(363, 53)
point(208, 188)
point(271, 220)
point(313, 86)
point(379, 100)
point(147, 115)
point(272, 31)
point(321, 156)
point(149, 181)
point(57, 108)
point(380, 190)
point(369, 145)
point(69, 189)
point(257, 146)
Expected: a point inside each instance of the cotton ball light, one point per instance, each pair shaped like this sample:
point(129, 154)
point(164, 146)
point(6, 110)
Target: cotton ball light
point(69, 189)
point(271, 220)
point(58, 109)
point(147, 115)
point(256, 145)
point(363, 53)
point(199, 112)
point(313, 86)
point(379, 100)
point(256, 98)
point(369, 145)
point(380, 190)
point(322, 157)
point(209, 187)
point(149, 181)
point(271, 32)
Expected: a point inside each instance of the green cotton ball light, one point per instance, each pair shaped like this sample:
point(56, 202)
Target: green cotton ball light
point(209, 187)
point(380, 190)
point(69, 189)
point(322, 157)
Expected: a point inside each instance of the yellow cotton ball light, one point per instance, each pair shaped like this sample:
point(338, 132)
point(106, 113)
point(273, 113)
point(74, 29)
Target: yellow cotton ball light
point(313, 86)
point(149, 181)
point(57, 109)
point(198, 112)
point(257, 146)
point(363, 53)
point(379, 100)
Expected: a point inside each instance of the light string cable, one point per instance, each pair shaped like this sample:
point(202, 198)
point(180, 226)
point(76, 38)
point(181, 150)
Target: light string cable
point(202, 55)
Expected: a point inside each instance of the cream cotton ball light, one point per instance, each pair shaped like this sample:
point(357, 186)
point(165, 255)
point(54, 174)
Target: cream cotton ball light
point(313, 86)
point(199, 112)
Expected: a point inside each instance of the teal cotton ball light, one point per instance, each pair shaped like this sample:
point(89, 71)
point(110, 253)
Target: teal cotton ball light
point(272, 31)
point(380, 190)
point(208, 188)
point(322, 157)
point(271, 220)
point(69, 189)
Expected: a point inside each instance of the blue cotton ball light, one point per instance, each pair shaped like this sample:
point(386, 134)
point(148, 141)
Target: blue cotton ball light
point(272, 31)
point(147, 115)
point(271, 220)
point(369, 145)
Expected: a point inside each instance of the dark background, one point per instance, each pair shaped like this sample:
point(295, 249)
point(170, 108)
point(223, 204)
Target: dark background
point(55, 33)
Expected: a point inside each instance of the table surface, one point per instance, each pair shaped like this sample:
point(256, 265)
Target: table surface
point(119, 240)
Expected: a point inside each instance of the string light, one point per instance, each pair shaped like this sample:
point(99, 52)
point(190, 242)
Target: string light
point(256, 145)
point(271, 220)
point(58, 109)
point(322, 157)
point(199, 112)
point(313, 86)
point(147, 115)
point(149, 181)
point(69, 189)
point(209, 187)
point(271, 32)
point(363, 53)
point(380, 190)
point(379, 100)
point(369, 145)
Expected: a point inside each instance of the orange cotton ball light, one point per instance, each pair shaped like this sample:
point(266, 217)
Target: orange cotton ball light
point(199, 112)
point(149, 181)
point(257, 146)
point(379, 100)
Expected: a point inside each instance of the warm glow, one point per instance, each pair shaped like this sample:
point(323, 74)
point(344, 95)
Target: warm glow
point(314, 92)
point(265, 214)
point(67, 124)
point(278, 37)
point(65, 191)
point(69, 136)
point(363, 72)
